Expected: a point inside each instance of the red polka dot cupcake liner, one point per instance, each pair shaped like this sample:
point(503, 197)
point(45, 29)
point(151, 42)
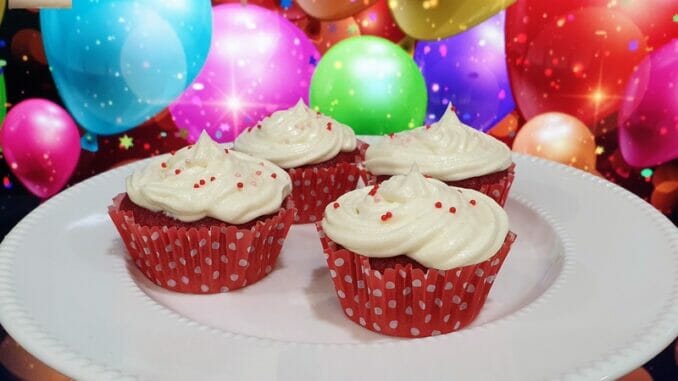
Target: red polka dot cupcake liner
point(496, 185)
point(407, 302)
point(314, 187)
point(206, 260)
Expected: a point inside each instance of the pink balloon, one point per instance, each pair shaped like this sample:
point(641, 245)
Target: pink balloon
point(41, 144)
point(258, 63)
point(648, 119)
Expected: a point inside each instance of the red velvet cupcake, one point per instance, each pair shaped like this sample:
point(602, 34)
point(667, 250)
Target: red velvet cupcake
point(321, 155)
point(448, 151)
point(413, 257)
point(204, 220)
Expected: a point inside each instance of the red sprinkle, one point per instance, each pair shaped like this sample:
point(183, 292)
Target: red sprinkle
point(212, 178)
point(452, 107)
point(202, 181)
point(259, 126)
point(274, 175)
point(472, 202)
point(249, 129)
point(439, 204)
point(240, 185)
point(258, 173)
point(329, 126)
point(374, 190)
point(177, 171)
point(189, 147)
point(391, 135)
point(335, 205)
point(226, 150)
point(387, 216)
point(196, 186)
point(453, 210)
point(163, 164)
point(428, 126)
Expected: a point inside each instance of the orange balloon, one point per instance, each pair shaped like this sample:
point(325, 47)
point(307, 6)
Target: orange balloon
point(506, 127)
point(558, 137)
point(333, 9)
point(639, 374)
point(23, 365)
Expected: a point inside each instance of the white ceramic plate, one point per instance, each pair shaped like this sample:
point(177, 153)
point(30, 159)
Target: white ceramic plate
point(589, 291)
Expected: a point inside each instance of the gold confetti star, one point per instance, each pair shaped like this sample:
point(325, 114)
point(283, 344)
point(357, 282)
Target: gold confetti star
point(182, 133)
point(126, 142)
point(600, 150)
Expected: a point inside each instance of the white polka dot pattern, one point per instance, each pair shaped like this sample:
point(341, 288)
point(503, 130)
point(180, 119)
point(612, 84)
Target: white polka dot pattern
point(205, 260)
point(313, 188)
point(409, 302)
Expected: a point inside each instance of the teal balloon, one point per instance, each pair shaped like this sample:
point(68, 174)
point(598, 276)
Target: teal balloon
point(116, 63)
point(370, 84)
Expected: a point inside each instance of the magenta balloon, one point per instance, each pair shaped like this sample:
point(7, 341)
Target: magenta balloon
point(648, 118)
point(41, 144)
point(258, 63)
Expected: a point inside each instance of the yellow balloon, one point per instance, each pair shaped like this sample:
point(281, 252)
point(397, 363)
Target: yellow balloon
point(558, 137)
point(435, 19)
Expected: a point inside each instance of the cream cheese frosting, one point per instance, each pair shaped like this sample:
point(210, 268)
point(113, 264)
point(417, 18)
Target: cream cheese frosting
point(447, 150)
point(295, 137)
point(206, 180)
point(439, 226)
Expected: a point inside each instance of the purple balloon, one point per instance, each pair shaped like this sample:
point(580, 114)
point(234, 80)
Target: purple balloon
point(469, 71)
point(41, 144)
point(258, 63)
point(648, 118)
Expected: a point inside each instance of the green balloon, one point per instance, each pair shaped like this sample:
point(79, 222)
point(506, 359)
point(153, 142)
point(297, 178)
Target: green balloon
point(370, 84)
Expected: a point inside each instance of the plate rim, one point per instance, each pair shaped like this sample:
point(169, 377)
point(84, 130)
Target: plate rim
point(24, 330)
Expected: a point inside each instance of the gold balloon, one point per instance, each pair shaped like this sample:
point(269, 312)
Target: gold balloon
point(23, 365)
point(435, 19)
point(558, 137)
point(333, 9)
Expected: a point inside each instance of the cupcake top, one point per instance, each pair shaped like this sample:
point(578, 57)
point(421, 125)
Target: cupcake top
point(447, 150)
point(295, 137)
point(206, 180)
point(439, 226)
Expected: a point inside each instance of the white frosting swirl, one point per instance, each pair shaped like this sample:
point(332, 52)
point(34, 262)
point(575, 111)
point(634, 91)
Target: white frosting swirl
point(447, 150)
point(295, 137)
point(411, 215)
point(205, 180)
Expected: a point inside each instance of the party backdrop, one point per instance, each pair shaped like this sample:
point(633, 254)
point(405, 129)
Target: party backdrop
point(588, 83)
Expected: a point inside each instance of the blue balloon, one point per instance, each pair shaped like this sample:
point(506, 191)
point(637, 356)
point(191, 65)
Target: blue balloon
point(468, 70)
point(117, 63)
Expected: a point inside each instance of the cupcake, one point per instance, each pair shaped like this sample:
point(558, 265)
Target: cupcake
point(320, 154)
point(449, 151)
point(414, 257)
point(204, 219)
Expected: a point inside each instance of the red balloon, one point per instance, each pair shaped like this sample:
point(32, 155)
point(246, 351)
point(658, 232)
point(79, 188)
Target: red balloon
point(325, 34)
point(377, 21)
point(576, 56)
point(41, 144)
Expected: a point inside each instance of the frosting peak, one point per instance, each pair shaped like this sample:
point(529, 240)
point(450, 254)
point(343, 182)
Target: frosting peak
point(205, 180)
point(295, 137)
point(447, 150)
point(439, 226)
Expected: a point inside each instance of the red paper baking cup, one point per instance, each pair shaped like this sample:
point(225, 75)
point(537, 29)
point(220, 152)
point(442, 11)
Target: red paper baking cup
point(496, 185)
point(408, 302)
point(206, 260)
point(315, 187)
